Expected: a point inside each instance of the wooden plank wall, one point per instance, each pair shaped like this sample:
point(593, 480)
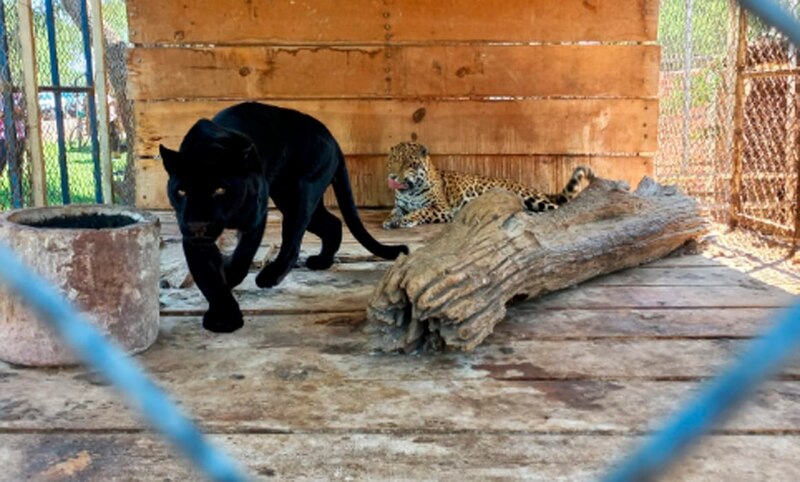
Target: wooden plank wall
point(525, 89)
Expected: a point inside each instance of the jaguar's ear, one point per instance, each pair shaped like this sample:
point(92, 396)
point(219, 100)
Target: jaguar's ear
point(423, 151)
point(170, 158)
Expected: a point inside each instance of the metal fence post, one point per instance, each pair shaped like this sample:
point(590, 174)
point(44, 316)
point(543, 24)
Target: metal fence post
point(92, 114)
point(50, 21)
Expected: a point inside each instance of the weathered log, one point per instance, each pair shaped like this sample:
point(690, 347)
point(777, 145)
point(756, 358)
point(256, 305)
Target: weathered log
point(451, 293)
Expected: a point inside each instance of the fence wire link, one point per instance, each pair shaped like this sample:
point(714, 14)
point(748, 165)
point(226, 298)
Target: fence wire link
point(71, 171)
point(708, 127)
point(14, 167)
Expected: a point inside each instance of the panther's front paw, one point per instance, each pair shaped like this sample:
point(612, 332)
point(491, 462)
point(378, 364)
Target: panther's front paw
point(223, 320)
point(270, 276)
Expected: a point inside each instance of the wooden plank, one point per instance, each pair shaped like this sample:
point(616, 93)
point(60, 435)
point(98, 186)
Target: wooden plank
point(368, 174)
point(525, 321)
point(542, 20)
point(616, 359)
point(350, 252)
point(333, 349)
point(525, 127)
point(363, 456)
point(33, 115)
point(100, 79)
point(521, 71)
point(304, 291)
point(222, 400)
point(408, 71)
point(258, 72)
point(604, 297)
point(375, 22)
point(684, 261)
point(688, 276)
point(338, 332)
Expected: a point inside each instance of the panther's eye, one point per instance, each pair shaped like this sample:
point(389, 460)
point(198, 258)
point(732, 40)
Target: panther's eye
point(181, 193)
point(219, 191)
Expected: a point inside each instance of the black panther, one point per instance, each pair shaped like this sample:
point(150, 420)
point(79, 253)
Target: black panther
point(222, 176)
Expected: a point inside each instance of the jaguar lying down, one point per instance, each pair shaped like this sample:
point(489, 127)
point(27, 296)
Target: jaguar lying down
point(426, 195)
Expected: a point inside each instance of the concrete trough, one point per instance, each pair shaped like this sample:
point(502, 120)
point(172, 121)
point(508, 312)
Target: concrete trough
point(103, 259)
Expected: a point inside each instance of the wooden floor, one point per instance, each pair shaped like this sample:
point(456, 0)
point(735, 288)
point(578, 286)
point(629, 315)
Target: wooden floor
point(566, 385)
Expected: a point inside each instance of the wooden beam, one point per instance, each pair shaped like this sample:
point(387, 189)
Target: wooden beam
point(368, 174)
point(33, 120)
point(738, 121)
point(225, 22)
point(387, 455)
point(101, 100)
point(511, 127)
point(474, 71)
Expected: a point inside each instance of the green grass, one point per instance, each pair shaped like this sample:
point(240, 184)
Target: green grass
point(80, 169)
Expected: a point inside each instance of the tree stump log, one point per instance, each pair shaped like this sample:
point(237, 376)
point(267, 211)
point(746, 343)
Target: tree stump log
point(451, 293)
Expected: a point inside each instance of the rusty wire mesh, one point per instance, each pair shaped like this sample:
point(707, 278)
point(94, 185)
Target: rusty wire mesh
point(730, 125)
point(770, 127)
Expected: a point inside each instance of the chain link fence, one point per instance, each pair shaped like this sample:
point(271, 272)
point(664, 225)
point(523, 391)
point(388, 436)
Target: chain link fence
point(728, 131)
point(69, 127)
point(767, 199)
point(14, 168)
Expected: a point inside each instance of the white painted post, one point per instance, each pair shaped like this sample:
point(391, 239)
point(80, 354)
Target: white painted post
point(33, 121)
point(101, 99)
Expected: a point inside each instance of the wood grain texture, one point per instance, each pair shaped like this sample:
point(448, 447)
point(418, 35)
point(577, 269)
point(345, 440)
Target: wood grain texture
point(354, 456)
point(565, 386)
point(450, 294)
point(368, 174)
point(341, 292)
point(377, 22)
point(521, 127)
point(379, 72)
point(291, 399)
point(408, 71)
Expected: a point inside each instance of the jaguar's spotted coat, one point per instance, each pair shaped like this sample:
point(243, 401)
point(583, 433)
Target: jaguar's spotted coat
point(425, 194)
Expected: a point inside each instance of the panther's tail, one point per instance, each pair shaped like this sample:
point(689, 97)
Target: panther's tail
point(347, 205)
point(571, 189)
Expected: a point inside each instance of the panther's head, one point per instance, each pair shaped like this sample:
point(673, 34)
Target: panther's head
point(409, 167)
point(212, 177)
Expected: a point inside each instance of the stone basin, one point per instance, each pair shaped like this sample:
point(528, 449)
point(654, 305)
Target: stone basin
point(103, 259)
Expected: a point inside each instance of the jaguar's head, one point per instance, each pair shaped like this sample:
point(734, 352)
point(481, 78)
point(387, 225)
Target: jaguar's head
point(409, 167)
point(211, 178)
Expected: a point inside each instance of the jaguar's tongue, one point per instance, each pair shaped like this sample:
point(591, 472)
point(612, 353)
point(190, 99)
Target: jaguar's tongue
point(396, 185)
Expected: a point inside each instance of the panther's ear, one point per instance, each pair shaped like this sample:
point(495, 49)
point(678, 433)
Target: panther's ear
point(170, 158)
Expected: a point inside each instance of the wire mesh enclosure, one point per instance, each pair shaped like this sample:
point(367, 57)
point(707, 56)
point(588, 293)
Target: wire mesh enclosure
point(14, 172)
point(69, 120)
point(728, 130)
